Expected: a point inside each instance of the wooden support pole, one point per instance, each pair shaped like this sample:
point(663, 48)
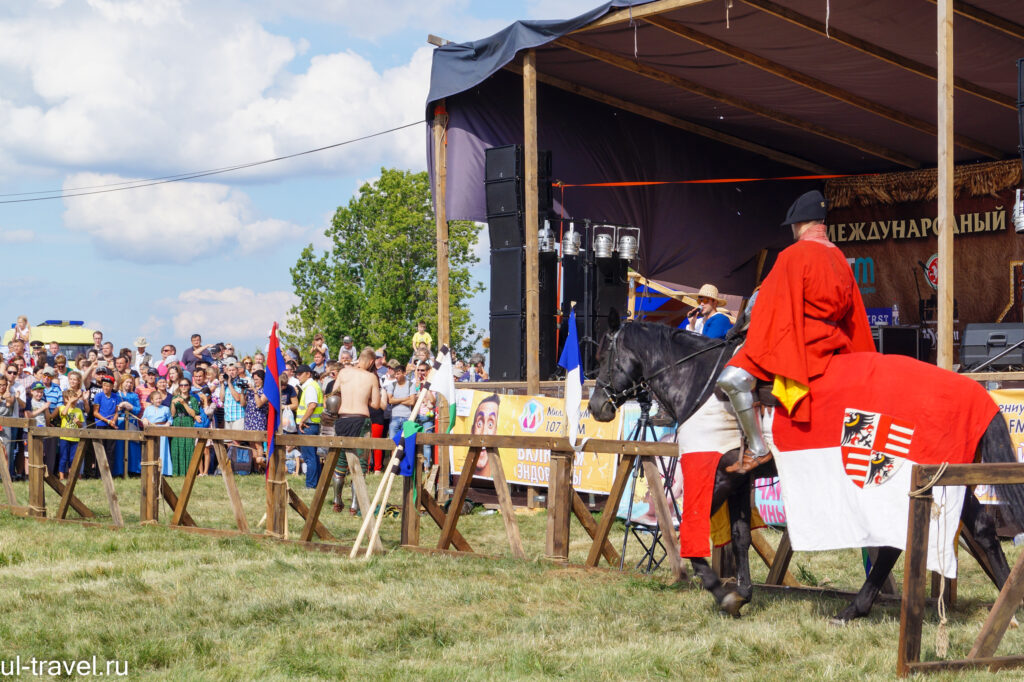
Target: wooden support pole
point(412, 500)
point(36, 495)
point(458, 498)
point(586, 520)
point(531, 205)
point(1002, 611)
point(228, 474)
point(5, 474)
point(914, 569)
point(277, 493)
point(559, 505)
point(779, 568)
point(172, 501)
point(149, 504)
point(108, 483)
point(181, 502)
point(436, 513)
point(508, 511)
point(946, 214)
point(440, 127)
point(608, 515)
point(669, 534)
point(300, 507)
point(320, 494)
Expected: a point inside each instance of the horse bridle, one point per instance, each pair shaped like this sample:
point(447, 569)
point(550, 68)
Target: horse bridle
point(616, 398)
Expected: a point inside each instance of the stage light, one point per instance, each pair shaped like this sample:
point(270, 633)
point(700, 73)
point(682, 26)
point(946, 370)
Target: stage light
point(603, 245)
point(627, 246)
point(546, 239)
point(571, 241)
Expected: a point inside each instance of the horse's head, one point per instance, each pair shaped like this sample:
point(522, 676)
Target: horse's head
point(619, 372)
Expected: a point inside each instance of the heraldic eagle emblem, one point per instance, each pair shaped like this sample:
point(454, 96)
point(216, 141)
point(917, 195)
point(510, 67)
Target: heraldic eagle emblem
point(874, 446)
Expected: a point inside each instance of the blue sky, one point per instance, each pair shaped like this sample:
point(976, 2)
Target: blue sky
point(102, 91)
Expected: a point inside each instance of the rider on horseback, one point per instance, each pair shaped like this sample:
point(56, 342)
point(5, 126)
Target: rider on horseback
point(809, 308)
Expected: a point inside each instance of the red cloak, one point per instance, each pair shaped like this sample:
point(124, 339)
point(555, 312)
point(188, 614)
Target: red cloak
point(808, 309)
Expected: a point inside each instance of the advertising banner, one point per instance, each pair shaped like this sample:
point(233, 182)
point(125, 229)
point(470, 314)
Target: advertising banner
point(520, 415)
point(1011, 404)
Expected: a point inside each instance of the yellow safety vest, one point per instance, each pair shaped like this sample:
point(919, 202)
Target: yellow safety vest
point(311, 392)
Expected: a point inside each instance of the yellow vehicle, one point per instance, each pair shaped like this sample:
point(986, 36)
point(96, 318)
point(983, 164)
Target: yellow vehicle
point(72, 335)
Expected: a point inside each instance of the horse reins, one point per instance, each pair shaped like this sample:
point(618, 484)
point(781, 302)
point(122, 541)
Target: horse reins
point(616, 398)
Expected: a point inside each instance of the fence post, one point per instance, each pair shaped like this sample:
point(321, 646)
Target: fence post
point(36, 496)
point(412, 500)
point(914, 569)
point(559, 497)
point(149, 505)
point(277, 493)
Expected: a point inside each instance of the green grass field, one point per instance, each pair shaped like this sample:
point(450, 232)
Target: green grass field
point(181, 606)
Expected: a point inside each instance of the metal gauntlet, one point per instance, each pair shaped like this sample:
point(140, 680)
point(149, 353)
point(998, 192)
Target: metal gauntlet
point(330, 414)
point(738, 384)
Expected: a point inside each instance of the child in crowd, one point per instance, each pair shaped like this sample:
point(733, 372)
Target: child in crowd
point(71, 417)
point(39, 409)
point(421, 336)
point(22, 330)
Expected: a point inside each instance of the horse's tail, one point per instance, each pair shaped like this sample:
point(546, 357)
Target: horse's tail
point(996, 446)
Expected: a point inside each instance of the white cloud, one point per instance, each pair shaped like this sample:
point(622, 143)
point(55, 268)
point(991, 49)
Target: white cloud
point(237, 314)
point(182, 221)
point(559, 9)
point(167, 86)
point(16, 236)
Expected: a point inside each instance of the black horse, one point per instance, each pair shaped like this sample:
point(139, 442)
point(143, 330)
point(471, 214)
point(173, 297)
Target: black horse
point(679, 368)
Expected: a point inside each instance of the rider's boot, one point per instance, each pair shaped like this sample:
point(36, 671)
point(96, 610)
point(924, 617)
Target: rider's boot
point(738, 385)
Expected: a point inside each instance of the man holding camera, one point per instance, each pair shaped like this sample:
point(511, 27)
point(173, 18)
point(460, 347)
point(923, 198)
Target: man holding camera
point(232, 396)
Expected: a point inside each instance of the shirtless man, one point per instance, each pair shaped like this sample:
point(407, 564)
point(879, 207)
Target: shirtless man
point(359, 390)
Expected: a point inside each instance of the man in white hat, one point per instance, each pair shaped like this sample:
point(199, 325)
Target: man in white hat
point(705, 318)
point(141, 356)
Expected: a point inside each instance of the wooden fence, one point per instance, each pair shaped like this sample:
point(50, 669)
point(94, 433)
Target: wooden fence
point(982, 654)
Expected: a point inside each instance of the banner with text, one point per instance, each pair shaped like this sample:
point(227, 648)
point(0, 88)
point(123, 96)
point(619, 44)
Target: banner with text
point(521, 415)
point(1011, 405)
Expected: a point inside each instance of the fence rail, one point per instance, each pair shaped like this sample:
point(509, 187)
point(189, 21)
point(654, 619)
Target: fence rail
point(154, 486)
point(908, 659)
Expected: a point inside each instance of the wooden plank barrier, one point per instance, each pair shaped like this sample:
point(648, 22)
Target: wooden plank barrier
point(981, 655)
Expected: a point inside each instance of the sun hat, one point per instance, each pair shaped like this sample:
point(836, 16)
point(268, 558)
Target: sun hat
point(706, 291)
point(141, 342)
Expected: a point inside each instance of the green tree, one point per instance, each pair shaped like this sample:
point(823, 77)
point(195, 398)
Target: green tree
point(380, 275)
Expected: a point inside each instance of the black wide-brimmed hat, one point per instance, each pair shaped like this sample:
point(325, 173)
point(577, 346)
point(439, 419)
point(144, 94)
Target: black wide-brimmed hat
point(808, 206)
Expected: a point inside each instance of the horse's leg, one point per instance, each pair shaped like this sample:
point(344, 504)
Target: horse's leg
point(739, 518)
point(709, 579)
point(865, 598)
point(983, 528)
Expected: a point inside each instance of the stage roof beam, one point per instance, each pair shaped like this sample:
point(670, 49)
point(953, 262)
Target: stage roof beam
point(676, 122)
point(738, 102)
point(817, 85)
point(986, 18)
point(627, 14)
point(878, 52)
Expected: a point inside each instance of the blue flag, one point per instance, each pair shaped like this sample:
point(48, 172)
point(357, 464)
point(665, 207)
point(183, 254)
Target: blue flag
point(570, 360)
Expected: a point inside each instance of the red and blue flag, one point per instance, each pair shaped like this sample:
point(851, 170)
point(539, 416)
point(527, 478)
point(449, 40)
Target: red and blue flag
point(272, 389)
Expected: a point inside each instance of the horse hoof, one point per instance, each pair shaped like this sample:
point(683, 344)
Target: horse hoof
point(731, 604)
point(836, 621)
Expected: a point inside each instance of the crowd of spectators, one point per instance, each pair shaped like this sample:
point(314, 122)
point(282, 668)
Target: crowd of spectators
point(208, 385)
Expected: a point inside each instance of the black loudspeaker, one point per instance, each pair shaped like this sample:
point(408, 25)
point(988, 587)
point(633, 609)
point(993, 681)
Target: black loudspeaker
point(508, 352)
point(504, 196)
point(611, 288)
point(507, 283)
point(506, 231)
point(508, 316)
point(1020, 109)
point(899, 341)
point(502, 163)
